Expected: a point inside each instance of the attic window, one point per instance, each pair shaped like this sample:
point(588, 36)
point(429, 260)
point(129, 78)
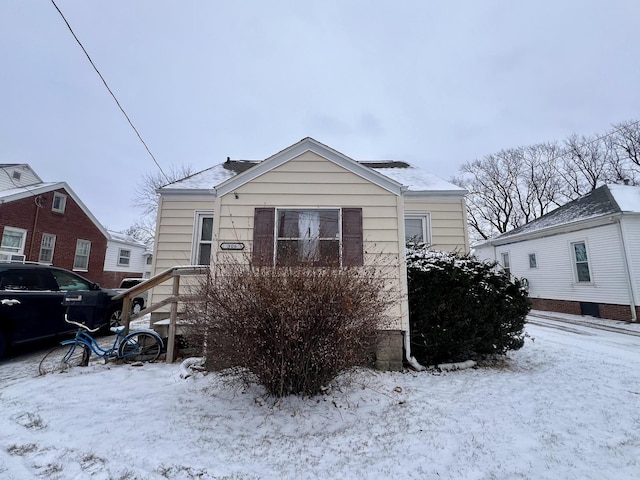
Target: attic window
point(59, 202)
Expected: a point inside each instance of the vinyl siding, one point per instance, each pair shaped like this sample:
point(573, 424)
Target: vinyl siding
point(174, 238)
point(631, 229)
point(554, 277)
point(448, 220)
point(311, 181)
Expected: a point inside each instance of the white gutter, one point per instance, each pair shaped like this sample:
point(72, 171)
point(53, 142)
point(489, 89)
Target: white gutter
point(632, 303)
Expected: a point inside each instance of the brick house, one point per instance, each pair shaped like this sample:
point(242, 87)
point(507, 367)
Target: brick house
point(46, 222)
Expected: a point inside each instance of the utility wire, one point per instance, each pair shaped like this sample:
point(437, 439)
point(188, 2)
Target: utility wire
point(110, 91)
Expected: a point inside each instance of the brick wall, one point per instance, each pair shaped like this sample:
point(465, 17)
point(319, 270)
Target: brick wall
point(68, 227)
point(607, 310)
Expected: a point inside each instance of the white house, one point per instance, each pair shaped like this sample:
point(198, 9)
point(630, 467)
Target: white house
point(582, 258)
point(368, 208)
point(125, 257)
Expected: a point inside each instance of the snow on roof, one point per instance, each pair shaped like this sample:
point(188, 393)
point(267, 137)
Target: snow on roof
point(203, 180)
point(627, 197)
point(605, 200)
point(414, 178)
point(28, 189)
point(123, 237)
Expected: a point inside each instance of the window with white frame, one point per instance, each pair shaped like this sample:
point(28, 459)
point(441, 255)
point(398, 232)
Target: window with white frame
point(417, 228)
point(13, 240)
point(81, 259)
point(581, 261)
point(506, 262)
point(59, 202)
point(47, 245)
point(533, 261)
point(203, 238)
point(124, 257)
point(308, 236)
point(149, 259)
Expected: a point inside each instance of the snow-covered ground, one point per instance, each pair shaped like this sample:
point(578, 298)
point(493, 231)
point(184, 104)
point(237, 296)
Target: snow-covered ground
point(566, 406)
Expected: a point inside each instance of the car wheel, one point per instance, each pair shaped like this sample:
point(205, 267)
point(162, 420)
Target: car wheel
point(137, 306)
point(114, 317)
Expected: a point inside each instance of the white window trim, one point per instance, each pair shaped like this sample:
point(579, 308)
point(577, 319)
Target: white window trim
point(426, 224)
point(120, 257)
point(197, 233)
point(75, 255)
point(502, 262)
point(53, 247)
point(574, 262)
point(63, 202)
point(22, 232)
point(275, 228)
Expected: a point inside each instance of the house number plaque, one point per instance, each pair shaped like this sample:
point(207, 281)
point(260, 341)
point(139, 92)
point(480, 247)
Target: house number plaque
point(232, 246)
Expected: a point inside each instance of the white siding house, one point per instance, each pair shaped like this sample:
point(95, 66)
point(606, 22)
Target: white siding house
point(582, 258)
point(125, 257)
point(241, 203)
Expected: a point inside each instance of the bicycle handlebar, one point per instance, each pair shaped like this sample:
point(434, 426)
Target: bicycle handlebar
point(81, 325)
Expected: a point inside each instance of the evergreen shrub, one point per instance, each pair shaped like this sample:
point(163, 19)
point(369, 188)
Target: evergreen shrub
point(461, 308)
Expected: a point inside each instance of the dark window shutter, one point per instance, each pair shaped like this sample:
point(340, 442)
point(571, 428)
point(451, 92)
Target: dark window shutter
point(352, 248)
point(263, 225)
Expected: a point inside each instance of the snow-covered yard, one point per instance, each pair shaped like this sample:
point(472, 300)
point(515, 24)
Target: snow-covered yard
point(566, 406)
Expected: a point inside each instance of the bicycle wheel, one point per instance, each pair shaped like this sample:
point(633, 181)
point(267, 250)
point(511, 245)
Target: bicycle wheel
point(140, 347)
point(62, 357)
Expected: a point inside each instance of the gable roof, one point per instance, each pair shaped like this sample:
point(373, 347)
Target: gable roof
point(297, 149)
point(394, 176)
point(601, 203)
point(11, 195)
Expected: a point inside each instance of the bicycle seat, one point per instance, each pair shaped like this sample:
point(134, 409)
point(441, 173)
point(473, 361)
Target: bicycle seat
point(117, 329)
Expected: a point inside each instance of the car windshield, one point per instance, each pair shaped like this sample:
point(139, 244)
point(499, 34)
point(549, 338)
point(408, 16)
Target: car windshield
point(129, 283)
point(67, 281)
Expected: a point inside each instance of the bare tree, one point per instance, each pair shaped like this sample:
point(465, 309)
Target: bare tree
point(146, 200)
point(517, 185)
point(582, 167)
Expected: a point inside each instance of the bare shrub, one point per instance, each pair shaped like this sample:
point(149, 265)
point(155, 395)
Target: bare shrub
point(293, 328)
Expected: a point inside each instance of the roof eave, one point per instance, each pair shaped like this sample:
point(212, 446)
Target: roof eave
point(556, 229)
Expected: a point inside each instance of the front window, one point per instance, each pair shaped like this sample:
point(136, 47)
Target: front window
point(13, 240)
point(581, 262)
point(46, 248)
point(506, 263)
point(308, 237)
point(416, 228)
point(81, 260)
point(124, 257)
point(59, 202)
point(204, 239)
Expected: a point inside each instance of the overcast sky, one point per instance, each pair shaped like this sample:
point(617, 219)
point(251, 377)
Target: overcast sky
point(435, 83)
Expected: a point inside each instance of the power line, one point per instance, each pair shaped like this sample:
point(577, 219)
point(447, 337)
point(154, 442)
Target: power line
point(109, 89)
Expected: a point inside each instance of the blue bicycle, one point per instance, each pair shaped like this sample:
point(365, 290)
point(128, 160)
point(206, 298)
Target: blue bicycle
point(136, 346)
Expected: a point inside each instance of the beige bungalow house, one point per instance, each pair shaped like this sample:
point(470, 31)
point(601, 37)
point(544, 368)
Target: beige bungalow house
point(311, 201)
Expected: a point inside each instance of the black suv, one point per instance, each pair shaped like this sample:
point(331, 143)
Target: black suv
point(31, 308)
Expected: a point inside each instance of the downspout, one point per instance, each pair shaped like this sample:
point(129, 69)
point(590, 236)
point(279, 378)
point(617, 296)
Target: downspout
point(403, 281)
point(632, 303)
point(410, 359)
